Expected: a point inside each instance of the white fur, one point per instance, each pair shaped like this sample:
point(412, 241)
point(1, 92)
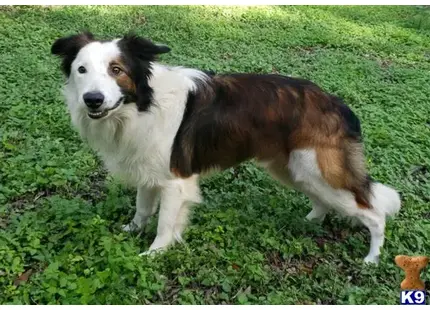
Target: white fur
point(147, 199)
point(136, 146)
point(95, 58)
point(304, 174)
point(386, 199)
point(318, 212)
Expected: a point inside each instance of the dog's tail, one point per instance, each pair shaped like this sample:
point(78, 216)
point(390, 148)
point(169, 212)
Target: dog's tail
point(385, 199)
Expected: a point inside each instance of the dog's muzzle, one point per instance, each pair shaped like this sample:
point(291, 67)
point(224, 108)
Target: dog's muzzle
point(100, 114)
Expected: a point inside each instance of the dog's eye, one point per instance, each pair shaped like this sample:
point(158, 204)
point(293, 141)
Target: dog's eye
point(116, 70)
point(82, 69)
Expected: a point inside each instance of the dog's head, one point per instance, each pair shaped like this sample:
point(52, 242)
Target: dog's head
point(104, 75)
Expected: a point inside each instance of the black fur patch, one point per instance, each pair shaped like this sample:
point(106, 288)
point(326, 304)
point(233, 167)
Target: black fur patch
point(352, 123)
point(68, 47)
point(137, 54)
point(224, 120)
point(210, 72)
point(235, 117)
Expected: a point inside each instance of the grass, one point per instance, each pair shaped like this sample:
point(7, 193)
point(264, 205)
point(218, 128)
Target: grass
point(60, 215)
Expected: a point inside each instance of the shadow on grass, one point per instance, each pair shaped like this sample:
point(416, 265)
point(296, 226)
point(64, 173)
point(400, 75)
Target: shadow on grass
point(234, 28)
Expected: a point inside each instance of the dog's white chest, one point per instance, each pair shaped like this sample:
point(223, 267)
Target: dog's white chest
point(138, 169)
point(136, 156)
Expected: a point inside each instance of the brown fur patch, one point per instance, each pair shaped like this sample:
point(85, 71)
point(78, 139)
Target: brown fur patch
point(362, 206)
point(176, 172)
point(123, 80)
point(330, 162)
point(237, 117)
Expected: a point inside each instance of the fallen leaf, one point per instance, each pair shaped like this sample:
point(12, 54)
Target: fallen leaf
point(23, 277)
point(306, 269)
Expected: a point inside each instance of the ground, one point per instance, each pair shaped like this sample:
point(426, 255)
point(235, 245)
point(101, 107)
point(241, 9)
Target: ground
point(61, 215)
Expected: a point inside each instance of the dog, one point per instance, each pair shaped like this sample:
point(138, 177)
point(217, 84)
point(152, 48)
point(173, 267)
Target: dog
point(159, 128)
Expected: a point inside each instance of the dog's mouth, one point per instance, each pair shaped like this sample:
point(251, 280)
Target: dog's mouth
point(105, 112)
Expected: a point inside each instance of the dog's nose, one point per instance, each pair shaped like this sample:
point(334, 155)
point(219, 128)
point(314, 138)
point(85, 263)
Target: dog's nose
point(93, 99)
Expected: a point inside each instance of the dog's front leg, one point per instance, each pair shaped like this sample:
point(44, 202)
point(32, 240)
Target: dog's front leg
point(146, 206)
point(176, 197)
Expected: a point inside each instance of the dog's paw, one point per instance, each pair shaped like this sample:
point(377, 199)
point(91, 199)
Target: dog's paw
point(312, 217)
point(354, 222)
point(371, 259)
point(147, 253)
point(132, 227)
point(152, 253)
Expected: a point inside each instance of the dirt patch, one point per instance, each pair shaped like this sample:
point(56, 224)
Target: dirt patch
point(306, 50)
point(333, 236)
point(275, 70)
point(226, 56)
point(96, 192)
point(140, 20)
point(291, 266)
point(384, 63)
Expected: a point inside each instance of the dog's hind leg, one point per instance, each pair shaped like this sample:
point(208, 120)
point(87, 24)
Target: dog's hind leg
point(278, 169)
point(308, 176)
point(318, 213)
point(385, 202)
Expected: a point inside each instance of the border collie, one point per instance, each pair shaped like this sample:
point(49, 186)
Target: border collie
point(159, 128)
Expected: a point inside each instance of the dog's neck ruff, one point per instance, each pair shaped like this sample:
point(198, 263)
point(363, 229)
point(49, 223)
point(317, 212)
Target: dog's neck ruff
point(136, 146)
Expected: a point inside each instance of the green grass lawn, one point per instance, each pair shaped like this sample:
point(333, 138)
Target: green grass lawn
point(61, 215)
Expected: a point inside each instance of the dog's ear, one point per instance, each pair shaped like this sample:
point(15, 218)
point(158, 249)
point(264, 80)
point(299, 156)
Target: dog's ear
point(142, 48)
point(68, 47)
point(71, 44)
